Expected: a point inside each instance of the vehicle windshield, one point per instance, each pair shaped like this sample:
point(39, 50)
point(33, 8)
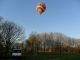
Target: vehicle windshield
point(17, 51)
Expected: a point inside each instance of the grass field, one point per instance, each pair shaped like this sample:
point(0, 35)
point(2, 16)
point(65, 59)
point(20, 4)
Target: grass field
point(48, 57)
point(53, 57)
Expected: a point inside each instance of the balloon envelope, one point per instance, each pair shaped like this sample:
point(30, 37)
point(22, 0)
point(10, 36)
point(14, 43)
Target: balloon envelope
point(41, 7)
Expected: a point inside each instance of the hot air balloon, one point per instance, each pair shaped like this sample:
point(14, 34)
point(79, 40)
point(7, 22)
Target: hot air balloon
point(41, 7)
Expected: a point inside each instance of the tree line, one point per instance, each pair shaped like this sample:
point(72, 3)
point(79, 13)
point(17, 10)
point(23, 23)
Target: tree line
point(53, 42)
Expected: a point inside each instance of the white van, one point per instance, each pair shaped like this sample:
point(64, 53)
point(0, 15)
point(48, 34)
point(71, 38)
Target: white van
point(16, 52)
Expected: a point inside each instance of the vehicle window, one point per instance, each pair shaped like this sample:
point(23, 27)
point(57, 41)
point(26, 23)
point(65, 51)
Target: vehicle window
point(16, 51)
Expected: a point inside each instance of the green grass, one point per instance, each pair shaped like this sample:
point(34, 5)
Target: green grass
point(53, 57)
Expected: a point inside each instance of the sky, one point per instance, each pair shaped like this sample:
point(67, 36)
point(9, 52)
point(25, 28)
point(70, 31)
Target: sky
point(60, 16)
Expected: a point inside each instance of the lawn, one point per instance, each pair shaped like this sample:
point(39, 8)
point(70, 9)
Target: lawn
point(53, 57)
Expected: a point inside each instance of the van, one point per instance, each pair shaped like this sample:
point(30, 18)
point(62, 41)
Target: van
point(16, 52)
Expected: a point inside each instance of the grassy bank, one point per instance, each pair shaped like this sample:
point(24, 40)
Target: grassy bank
point(53, 57)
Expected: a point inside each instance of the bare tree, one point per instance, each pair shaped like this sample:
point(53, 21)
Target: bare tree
point(10, 33)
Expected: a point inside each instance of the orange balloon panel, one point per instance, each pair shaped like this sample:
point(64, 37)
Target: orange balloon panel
point(41, 7)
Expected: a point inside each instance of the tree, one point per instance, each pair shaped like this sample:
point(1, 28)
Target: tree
point(10, 33)
point(33, 42)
